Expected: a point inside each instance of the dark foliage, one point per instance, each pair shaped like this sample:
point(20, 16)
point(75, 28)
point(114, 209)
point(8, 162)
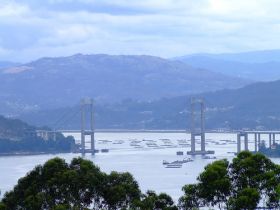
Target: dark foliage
point(250, 180)
point(80, 185)
point(36, 145)
point(17, 136)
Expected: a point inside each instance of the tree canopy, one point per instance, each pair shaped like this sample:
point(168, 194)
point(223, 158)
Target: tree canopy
point(249, 181)
point(80, 185)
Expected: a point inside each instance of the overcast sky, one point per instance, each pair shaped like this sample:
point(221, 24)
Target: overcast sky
point(35, 28)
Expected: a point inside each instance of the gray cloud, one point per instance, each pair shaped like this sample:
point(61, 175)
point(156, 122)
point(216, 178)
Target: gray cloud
point(32, 28)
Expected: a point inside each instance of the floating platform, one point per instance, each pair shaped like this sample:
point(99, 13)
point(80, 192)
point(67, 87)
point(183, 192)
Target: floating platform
point(104, 150)
point(209, 152)
point(177, 162)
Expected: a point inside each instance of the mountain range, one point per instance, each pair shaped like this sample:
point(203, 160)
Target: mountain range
point(256, 65)
point(140, 92)
point(49, 83)
point(259, 56)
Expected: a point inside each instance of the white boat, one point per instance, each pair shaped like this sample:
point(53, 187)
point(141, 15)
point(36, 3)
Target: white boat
point(164, 162)
point(208, 157)
point(173, 165)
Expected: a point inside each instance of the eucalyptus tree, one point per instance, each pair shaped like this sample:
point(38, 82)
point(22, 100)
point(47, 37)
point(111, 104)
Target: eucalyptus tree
point(154, 201)
point(250, 180)
point(79, 185)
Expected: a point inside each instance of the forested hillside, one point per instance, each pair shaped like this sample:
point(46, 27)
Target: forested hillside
point(17, 137)
point(254, 106)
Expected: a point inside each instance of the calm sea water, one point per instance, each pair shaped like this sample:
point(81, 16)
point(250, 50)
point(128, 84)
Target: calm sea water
point(138, 153)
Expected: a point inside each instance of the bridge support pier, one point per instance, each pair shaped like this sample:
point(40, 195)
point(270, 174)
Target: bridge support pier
point(256, 142)
point(257, 137)
point(243, 135)
point(201, 131)
point(84, 104)
point(259, 141)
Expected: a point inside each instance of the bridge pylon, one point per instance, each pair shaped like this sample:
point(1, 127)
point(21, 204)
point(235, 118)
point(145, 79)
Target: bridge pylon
point(87, 110)
point(200, 130)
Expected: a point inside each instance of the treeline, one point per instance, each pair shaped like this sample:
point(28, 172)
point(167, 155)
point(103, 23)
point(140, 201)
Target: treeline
point(13, 128)
point(80, 185)
point(34, 144)
point(17, 136)
point(250, 181)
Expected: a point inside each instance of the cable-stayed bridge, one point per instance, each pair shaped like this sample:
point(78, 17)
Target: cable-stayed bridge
point(86, 113)
point(197, 130)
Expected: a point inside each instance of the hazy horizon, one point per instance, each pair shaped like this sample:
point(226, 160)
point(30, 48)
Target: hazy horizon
point(122, 54)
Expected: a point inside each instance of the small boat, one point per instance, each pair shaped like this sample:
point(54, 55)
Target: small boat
point(134, 145)
point(180, 153)
point(172, 165)
point(209, 158)
point(186, 160)
point(104, 150)
point(164, 162)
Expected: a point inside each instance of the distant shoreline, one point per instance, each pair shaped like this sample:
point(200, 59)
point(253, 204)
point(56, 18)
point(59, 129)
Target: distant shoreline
point(31, 153)
point(145, 131)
